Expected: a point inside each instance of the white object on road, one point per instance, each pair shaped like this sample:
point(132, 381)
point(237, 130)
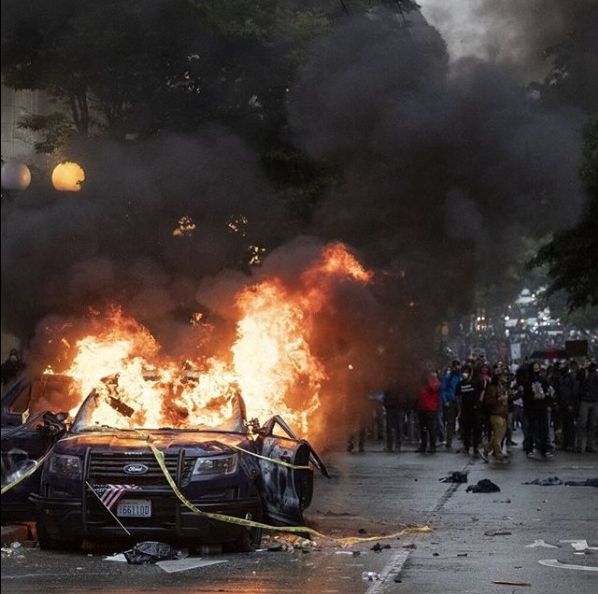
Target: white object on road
point(558, 564)
point(120, 557)
point(186, 564)
point(580, 545)
point(541, 543)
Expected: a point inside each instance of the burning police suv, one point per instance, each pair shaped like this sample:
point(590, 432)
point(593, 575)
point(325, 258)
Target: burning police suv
point(104, 479)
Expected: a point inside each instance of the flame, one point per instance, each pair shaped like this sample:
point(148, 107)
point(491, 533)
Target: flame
point(271, 362)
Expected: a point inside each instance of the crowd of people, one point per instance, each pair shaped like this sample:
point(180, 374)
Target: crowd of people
point(555, 407)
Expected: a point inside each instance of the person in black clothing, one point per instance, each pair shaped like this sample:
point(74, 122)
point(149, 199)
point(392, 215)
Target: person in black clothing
point(469, 397)
point(566, 387)
point(536, 399)
point(12, 367)
point(394, 418)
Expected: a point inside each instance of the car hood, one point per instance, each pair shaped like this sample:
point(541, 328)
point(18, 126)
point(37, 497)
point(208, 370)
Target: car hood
point(201, 442)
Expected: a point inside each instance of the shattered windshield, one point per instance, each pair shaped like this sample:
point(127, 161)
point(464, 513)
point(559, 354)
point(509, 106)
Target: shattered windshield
point(153, 404)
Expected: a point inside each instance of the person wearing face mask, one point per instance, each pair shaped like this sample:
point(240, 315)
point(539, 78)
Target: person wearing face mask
point(536, 400)
point(469, 398)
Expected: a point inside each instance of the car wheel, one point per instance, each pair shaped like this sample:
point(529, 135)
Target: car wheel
point(49, 543)
point(249, 540)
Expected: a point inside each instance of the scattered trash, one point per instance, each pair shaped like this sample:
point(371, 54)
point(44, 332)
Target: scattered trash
point(435, 554)
point(410, 546)
point(119, 557)
point(497, 533)
point(547, 482)
point(461, 554)
point(173, 566)
point(506, 583)
point(352, 553)
point(483, 486)
point(15, 545)
point(276, 547)
point(370, 576)
point(540, 543)
point(456, 476)
point(555, 480)
point(378, 547)
point(592, 482)
point(397, 580)
point(362, 531)
point(149, 552)
point(580, 545)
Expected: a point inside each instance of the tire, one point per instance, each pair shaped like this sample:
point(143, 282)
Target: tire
point(249, 540)
point(49, 543)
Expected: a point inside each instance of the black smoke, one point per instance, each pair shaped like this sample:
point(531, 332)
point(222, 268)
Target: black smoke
point(113, 241)
point(447, 168)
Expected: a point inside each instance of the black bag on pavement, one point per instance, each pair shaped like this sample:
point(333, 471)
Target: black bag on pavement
point(149, 552)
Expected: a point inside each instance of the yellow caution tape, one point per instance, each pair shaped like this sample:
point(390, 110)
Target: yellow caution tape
point(253, 524)
point(36, 464)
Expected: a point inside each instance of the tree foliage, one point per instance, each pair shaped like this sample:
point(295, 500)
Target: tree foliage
point(572, 255)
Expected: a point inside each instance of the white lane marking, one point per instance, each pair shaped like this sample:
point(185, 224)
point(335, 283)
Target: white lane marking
point(557, 563)
point(392, 568)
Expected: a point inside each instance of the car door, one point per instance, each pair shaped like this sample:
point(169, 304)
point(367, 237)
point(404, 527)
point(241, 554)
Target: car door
point(24, 441)
point(286, 491)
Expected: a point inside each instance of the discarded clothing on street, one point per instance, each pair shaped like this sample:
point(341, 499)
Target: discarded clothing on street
point(591, 482)
point(483, 486)
point(547, 482)
point(456, 476)
point(555, 480)
point(150, 552)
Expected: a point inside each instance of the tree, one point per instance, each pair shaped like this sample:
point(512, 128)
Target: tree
point(572, 255)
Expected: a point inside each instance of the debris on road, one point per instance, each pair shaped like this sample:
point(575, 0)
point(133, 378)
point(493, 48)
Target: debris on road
point(508, 583)
point(540, 543)
point(370, 576)
point(378, 547)
point(483, 486)
point(555, 480)
point(176, 565)
point(546, 482)
point(150, 552)
point(456, 476)
point(497, 533)
point(461, 554)
point(410, 546)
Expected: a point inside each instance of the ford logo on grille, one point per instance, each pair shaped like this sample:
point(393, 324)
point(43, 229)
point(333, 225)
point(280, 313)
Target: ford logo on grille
point(135, 468)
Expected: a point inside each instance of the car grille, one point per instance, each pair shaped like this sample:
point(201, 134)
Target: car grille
point(106, 468)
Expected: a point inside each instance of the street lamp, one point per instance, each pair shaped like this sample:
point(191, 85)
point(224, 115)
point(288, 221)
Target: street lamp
point(15, 175)
point(68, 177)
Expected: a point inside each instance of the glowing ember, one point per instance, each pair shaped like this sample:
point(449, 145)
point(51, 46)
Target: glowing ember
point(271, 362)
point(186, 226)
point(237, 224)
point(256, 255)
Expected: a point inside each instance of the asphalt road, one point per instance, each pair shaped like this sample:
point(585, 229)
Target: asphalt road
point(378, 493)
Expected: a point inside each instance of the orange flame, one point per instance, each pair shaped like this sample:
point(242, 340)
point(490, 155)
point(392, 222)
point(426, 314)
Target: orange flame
point(271, 363)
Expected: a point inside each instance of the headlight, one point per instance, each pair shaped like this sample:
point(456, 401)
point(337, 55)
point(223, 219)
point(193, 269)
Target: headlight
point(65, 466)
point(210, 465)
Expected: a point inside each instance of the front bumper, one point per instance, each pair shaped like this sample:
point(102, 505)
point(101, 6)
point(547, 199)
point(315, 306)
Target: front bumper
point(68, 518)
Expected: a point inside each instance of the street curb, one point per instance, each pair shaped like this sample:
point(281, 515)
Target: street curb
point(17, 532)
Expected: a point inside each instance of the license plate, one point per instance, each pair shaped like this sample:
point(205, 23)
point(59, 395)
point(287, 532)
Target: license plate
point(134, 508)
